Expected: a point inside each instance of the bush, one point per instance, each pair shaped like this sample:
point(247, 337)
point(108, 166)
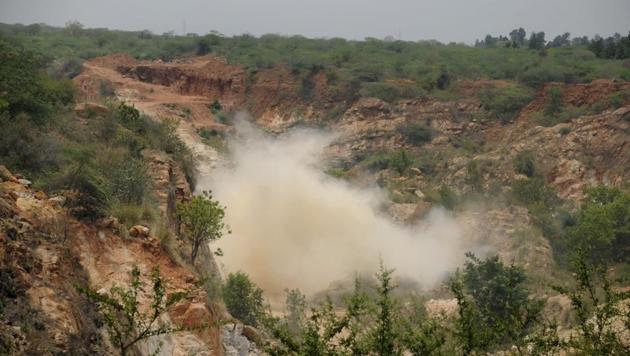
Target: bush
point(494, 306)
point(243, 299)
point(390, 92)
point(400, 161)
point(505, 103)
point(524, 163)
point(128, 179)
point(538, 75)
point(215, 107)
point(125, 321)
point(603, 227)
point(416, 133)
point(531, 191)
point(474, 176)
point(203, 220)
point(541, 202)
point(555, 101)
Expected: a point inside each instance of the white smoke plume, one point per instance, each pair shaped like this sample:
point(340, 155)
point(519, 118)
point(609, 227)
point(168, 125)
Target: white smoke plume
point(293, 226)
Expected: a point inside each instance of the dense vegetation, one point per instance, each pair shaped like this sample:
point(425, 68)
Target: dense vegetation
point(388, 69)
point(98, 160)
point(495, 312)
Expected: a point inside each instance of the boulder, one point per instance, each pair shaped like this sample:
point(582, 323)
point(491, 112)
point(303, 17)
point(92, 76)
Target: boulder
point(109, 223)
point(139, 231)
point(252, 334)
point(196, 315)
point(39, 195)
point(6, 175)
point(59, 200)
point(25, 182)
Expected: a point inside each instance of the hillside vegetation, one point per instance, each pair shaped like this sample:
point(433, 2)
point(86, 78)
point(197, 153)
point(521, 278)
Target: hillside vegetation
point(525, 140)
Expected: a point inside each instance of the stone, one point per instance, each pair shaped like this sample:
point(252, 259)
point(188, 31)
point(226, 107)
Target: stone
point(109, 223)
point(419, 193)
point(196, 315)
point(39, 195)
point(25, 182)
point(252, 334)
point(416, 171)
point(6, 175)
point(59, 200)
point(139, 231)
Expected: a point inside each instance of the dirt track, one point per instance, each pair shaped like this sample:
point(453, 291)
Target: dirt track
point(160, 102)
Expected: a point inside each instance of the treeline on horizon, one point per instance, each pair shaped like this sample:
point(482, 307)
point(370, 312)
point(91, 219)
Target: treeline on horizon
point(383, 68)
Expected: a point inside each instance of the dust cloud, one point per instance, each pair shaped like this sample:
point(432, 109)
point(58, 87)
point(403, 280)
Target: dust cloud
point(293, 226)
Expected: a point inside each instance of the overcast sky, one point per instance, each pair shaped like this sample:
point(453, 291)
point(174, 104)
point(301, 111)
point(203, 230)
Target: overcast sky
point(444, 20)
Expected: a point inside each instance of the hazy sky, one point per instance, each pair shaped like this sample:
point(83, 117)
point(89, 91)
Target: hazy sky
point(444, 20)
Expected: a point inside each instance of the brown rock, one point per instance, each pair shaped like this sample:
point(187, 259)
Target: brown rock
point(196, 315)
point(109, 223)
point(139, 231)
point(6, 175)
point(39, 195)
point(251, 334)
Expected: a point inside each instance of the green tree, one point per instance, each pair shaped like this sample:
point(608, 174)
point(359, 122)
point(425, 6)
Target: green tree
point(295, 304)
point(126, 320)
point(517, 36)
point(202, 218)
point(494, 305)
point(385, 337)
point(603, 226)
point(243, 299)
point(74, 27)
point(598, 307)
point(537, 40)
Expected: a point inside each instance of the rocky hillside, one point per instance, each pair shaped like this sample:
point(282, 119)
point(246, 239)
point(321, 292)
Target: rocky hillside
point(45, 251)
point(463, 151)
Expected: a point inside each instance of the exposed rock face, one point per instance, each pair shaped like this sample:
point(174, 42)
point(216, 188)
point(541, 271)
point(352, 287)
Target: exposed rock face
point(44, 253)
point(169, 181)
point(215, 78)
point(591, 149)
point(237, 340)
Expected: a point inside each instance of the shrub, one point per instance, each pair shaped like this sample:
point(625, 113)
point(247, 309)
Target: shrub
point(203, 219)
point(524, 163)
point(505, 103)
point(598, 306)
point(243, 299)
point(400, 161)
point(448, 197)
point(537, 76)
point(416, 133)
point(494, 306)
point(533, 190)
point(555, 101)
point(389, 92)
point(541, 203)
point(126, 322)
point(215, 107)
point(474, 176)
point(603, 227)
point(128, 179)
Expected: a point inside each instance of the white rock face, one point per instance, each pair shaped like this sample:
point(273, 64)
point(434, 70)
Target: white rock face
point(235, 343)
